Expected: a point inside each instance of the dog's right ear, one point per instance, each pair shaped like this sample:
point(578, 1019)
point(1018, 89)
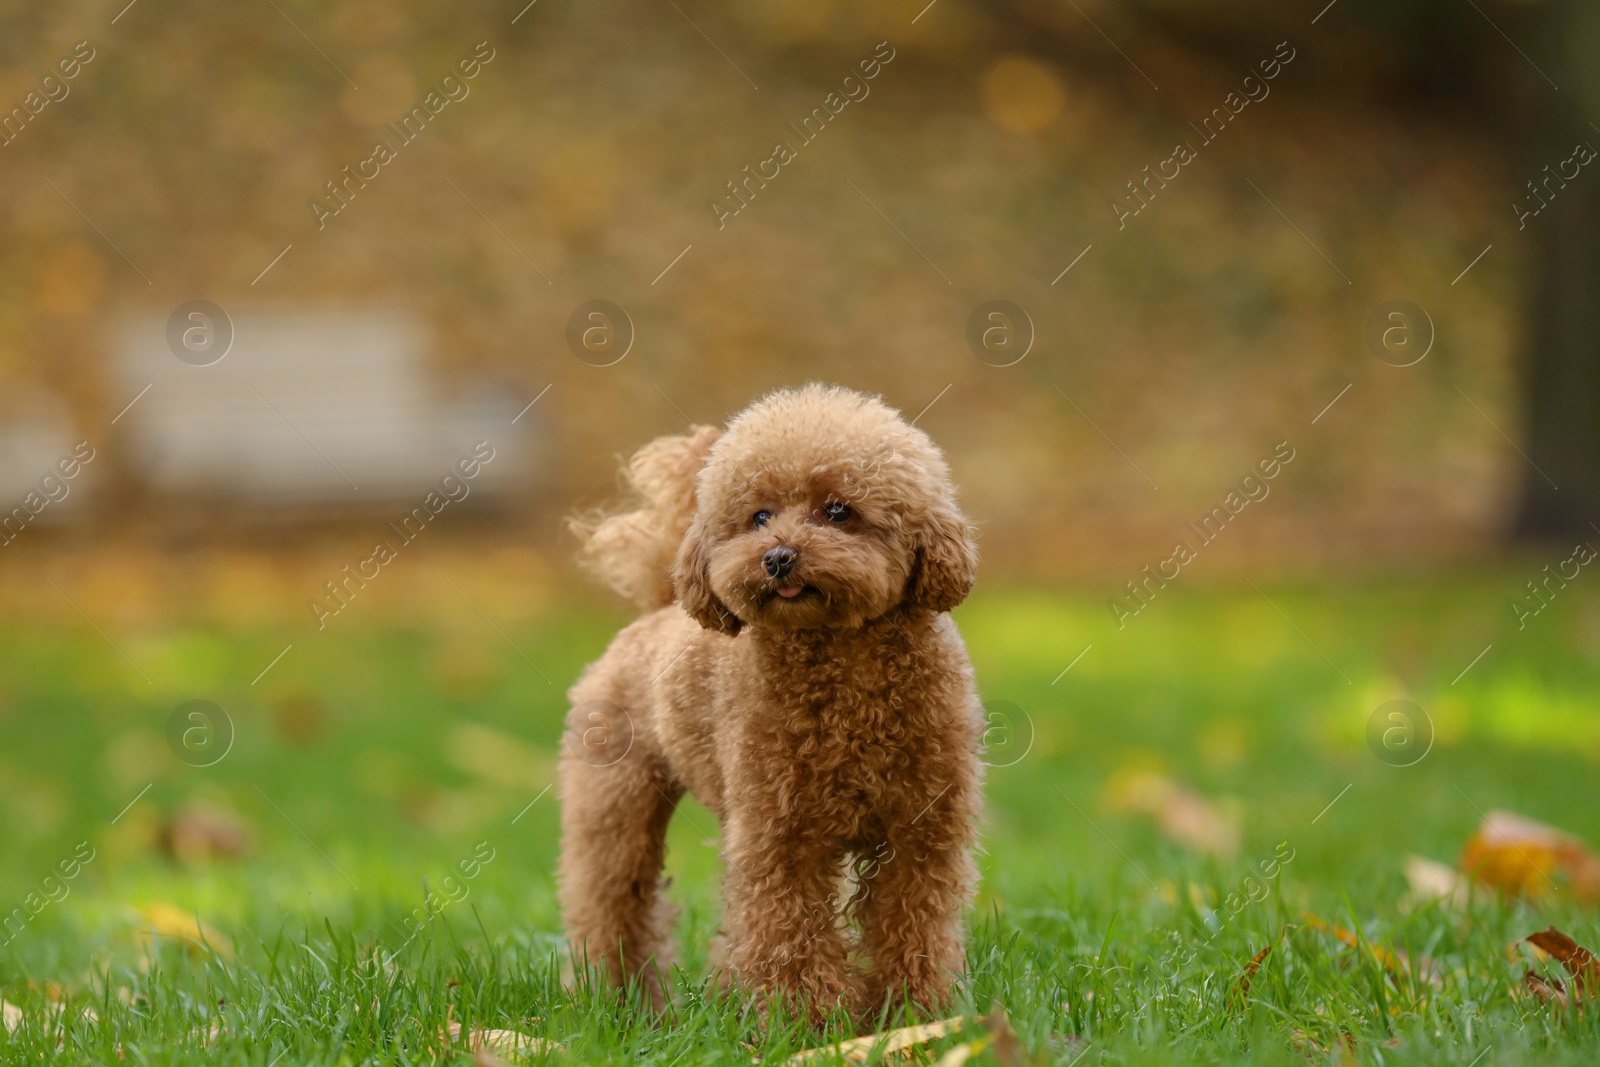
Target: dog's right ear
point(693, 585)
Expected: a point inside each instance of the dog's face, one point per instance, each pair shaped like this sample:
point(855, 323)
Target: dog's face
point(821, 507)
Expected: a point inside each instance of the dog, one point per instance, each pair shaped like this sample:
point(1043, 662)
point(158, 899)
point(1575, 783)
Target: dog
point(798, 674)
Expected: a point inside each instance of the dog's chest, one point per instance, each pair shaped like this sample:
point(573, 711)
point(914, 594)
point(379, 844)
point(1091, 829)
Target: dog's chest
point(843, 759)
point(841, 737)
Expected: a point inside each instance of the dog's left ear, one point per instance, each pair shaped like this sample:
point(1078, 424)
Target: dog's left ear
point(947, 561)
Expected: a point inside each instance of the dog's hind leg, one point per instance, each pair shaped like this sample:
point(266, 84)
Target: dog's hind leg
point(613, 843)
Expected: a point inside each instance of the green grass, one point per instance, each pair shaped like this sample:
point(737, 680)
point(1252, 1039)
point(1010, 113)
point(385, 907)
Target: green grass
point(374, 759)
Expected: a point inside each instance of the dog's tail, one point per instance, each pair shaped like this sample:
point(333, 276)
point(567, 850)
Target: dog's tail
point(633, 551)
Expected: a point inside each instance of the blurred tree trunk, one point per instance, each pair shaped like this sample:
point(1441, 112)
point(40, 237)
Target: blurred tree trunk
point(1561, 387)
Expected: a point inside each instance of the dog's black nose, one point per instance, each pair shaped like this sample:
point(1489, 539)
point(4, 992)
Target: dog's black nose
point(779, 561)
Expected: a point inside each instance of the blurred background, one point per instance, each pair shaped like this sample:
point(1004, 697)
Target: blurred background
point(271, 272)
point(993, 150)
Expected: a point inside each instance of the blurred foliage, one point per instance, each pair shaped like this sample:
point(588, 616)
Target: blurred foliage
point(996, 142)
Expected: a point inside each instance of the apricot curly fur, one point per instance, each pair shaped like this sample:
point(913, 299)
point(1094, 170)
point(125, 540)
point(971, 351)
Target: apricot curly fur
point(632, 552)
point(833, 731)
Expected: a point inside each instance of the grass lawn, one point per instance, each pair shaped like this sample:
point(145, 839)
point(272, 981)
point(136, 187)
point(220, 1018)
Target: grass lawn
point(398, 757)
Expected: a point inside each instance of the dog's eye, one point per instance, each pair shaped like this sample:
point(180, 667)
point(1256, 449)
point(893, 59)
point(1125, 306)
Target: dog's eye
point(761, 518)
point(837, 512)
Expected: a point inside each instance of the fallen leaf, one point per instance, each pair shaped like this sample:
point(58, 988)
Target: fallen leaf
point(1314, 922)
point(1184, 815)
point(205, 1034)
point(202, 832)
point(507, 1041)
point(498, 1041)
point(1396, 962)
point(52, 990)
point(1431, 881)
point(1068, 1045)
point(1550, 994)
point(963, 1052)
point(13, 1016)
point(1242, 985)
point(1523, 857)
point(164, 920)
point(1303, 1043)
point(1008, 1047)
point(55, 1002)
point(858, 1049)
point(1580, 963)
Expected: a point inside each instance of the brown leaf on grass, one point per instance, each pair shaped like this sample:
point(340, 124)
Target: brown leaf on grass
point(1184, 815)
point(1550, 994)
point(12, 1015)
point(859, 1049)
point(1314, 922)
point(1241, 987)
point(1523, 857)
point(1306, 1045)
point(1395, 961)
point(200, 832)
point(1580, 963)
point(1008, 1048)
point(1068, 1045)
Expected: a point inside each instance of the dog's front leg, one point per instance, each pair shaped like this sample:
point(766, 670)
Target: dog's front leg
point(910, 904)
point(784, 934)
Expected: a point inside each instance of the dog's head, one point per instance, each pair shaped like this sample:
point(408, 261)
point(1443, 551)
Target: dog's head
point(822, 507)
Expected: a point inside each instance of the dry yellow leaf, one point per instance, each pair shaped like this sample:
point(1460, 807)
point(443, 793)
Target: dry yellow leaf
point(1432, 881)
point(1182, 813)
point(164, 920)
point(962, 1053)
point(1396, 962)
point(1524, 857)
point(858, 1049)
point(501, 1041)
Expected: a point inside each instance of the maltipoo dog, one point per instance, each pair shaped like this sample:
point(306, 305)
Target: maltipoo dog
point(797, 674)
